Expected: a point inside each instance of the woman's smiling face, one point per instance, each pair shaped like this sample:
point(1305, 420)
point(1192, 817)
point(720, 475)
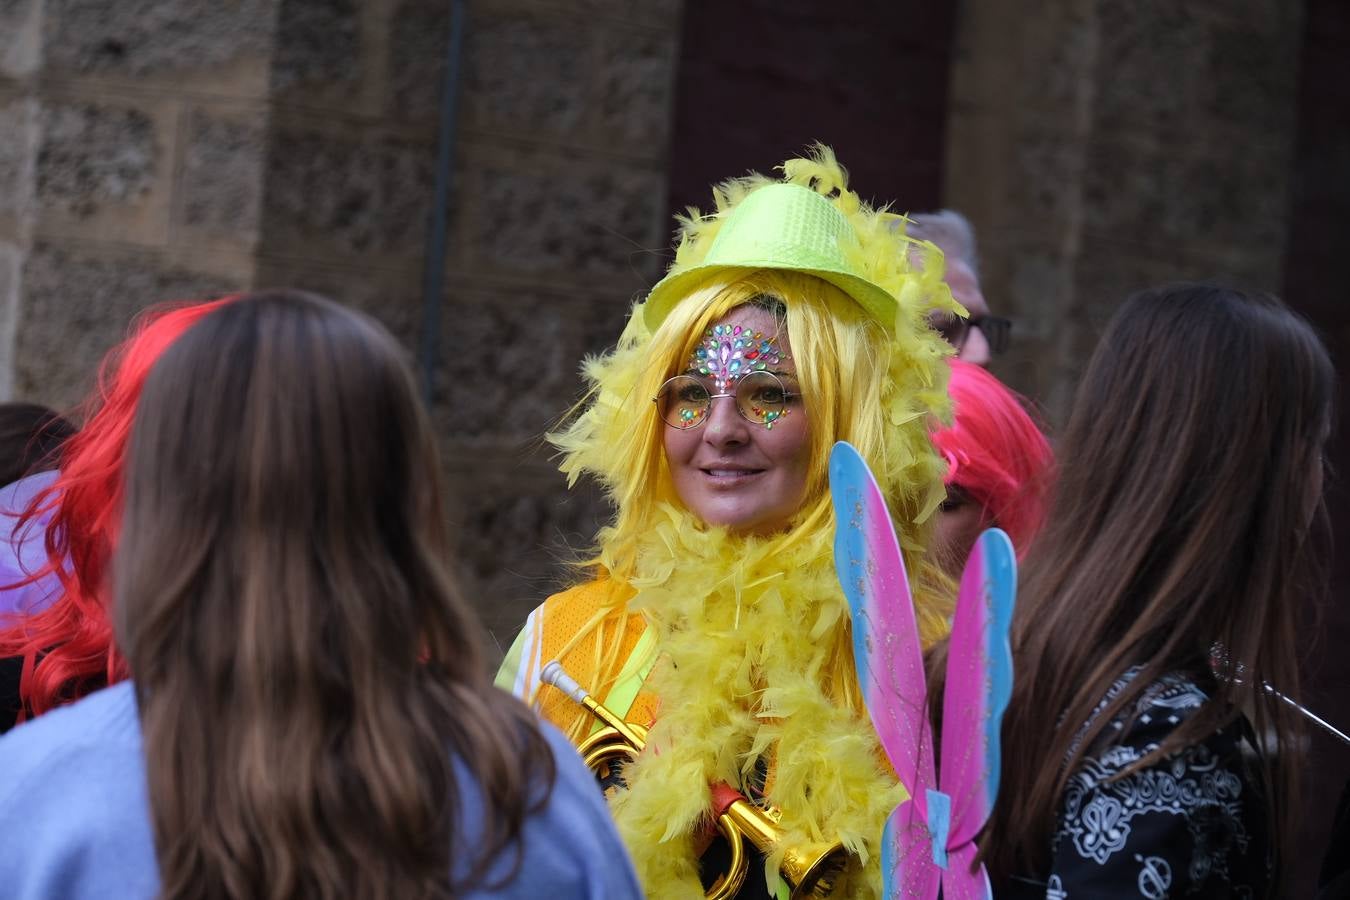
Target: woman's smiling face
point(728, 470)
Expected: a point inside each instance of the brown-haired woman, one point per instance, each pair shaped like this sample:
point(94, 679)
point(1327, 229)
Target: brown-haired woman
point(310, 714)
point(1160, 604)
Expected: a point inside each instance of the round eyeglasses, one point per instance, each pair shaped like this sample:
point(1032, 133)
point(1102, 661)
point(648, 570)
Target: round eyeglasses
point(684, 401)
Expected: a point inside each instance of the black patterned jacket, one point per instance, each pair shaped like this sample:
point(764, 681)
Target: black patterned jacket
point(1189, 825)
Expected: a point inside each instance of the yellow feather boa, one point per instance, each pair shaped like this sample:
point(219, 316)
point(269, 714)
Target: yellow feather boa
point(755, 658)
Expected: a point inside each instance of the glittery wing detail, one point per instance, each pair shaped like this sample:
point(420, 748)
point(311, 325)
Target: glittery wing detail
point(979, 683)
point(889, 661)
point(907, 868)
point(959, 883)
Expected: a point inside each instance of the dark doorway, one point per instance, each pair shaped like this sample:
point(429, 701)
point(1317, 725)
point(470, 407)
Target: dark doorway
point(1317, 284)
point(760, 80)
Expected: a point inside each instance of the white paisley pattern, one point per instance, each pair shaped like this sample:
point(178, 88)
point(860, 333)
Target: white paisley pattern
point(1185, 826)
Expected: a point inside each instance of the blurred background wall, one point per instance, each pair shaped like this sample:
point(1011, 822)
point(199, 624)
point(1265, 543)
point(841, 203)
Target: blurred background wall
point(170, 149)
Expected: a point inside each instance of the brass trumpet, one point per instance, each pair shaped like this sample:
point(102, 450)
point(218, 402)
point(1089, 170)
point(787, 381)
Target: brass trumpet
point(811, 871)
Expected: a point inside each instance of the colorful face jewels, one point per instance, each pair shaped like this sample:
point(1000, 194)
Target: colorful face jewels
point(730, 352)
point(769, 416)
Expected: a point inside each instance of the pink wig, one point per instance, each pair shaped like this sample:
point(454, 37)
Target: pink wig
point(996, 453)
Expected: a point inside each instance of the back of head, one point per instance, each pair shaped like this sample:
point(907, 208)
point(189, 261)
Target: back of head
point(1191, 450)
point(31, 436)
point(1189, 477)
point(996, 453)
point(68, 646)
point(303, 664)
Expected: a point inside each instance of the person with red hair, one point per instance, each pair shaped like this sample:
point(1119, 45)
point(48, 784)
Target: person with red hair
point(59, 653)
point(998, 467)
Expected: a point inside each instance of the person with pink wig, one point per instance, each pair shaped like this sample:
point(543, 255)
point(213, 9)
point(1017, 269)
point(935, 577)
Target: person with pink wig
point(999, 467)
point(59, 531)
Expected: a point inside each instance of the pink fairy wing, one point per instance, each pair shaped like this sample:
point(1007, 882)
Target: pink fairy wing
point(886, 649)
point(907, 868)
point(889, 661)
point(979, 683)
point(959, 882)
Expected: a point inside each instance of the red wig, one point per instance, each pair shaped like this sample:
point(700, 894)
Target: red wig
point(996, 453)
point(67, 648)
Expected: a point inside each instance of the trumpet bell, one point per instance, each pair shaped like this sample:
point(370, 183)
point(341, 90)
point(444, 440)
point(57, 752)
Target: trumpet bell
point(810, 870)
point(813, 871)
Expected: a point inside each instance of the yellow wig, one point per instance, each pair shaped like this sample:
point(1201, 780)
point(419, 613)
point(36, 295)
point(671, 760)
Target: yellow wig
point(753, 632)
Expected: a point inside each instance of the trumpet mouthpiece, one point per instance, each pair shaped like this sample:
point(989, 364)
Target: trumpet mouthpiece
point(554, 674)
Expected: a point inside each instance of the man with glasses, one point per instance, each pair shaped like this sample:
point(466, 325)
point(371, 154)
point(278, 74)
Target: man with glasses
point(980, 336)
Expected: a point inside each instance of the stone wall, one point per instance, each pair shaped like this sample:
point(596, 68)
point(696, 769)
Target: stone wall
point(559, 179)
point(153, 151)
point(137, 178)
point(1100, 146)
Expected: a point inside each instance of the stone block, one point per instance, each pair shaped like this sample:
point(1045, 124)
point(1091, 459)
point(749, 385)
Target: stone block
point(11, 269)
point(318, 42)
point(142, 37)
point(20, 38)
point(21, 128)
point(1056, 59)
point(1106, 273)
point(1169, 67)
point(526, 73)
point(1151, 65)
point(537, 215)
point(1187, 191)
point(94, 155)
point(647, 12)
point(328, 195)
point(636, 89)
point(1049, 172)
point(419, 29)
point(76, 305)
point(516, 531)
point(220, 185)
point(1263, 15)
point(1037, 287)
point(509, 362)
point(1251, 80)
point(391, 296)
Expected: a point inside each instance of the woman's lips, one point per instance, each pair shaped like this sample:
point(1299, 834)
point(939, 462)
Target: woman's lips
point(729, 477)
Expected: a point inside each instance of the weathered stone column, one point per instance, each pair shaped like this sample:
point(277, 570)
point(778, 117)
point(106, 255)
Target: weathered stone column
point(1092, 144)
point(20, 57)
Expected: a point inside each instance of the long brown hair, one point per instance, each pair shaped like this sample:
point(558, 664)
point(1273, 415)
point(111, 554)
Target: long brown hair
point(304, 667)
point(1182, 522)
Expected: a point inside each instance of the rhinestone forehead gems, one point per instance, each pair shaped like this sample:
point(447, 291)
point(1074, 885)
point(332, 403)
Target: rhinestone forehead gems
point(730, 352)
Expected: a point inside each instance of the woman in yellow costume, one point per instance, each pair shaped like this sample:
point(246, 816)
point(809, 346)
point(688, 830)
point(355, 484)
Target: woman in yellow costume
point(791, 318)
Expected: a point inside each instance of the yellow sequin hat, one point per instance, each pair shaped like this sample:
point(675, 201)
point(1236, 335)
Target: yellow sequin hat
point(808, 222)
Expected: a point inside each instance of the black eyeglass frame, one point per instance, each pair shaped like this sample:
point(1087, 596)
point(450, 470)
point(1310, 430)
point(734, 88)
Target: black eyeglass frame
point(996, 329)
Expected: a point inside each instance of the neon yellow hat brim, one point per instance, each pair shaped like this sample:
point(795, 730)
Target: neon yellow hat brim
point(778, 226)
point(669, 291)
